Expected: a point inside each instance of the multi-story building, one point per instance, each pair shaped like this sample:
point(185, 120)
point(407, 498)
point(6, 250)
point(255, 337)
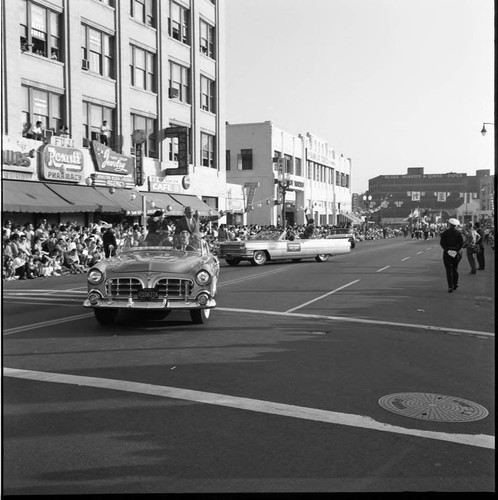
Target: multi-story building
point(155, 66)
point(439, 196)
point(287, 178)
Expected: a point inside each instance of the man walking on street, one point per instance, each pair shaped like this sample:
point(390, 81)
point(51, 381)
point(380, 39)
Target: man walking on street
point(470, 243)
point(452, 243)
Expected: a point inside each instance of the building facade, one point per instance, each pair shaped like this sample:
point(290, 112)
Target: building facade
point(286, 178)
point(154, 66)
point(438, 196)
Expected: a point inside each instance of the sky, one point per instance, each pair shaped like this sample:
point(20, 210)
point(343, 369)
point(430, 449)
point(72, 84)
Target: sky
point(390, 84)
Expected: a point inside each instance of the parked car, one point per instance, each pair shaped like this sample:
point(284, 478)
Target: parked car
point(155, 280)
point(343, 232)
point(274, 244)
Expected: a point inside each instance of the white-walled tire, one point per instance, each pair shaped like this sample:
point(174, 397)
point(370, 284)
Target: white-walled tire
point(322, 257)
point(259, 258)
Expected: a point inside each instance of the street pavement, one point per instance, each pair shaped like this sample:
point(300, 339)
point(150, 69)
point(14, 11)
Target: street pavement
point(278, 393)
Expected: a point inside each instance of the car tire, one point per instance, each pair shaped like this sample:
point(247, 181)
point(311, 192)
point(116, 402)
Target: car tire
point(322, 257)
point(259, 258)
point(200, 316)
point(105, 316)
point(233, 262)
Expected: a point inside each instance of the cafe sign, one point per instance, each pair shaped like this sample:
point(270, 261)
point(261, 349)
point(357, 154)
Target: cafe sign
point(165, 184)
point(109, 162)
point(19, 154)
point(61, 164)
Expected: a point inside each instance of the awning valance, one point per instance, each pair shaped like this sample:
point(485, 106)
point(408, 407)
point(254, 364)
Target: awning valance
point(351, 217)
point(161, 201)
point(189, 200)
point(32, 196)
point(122, 198)
point(84, 198)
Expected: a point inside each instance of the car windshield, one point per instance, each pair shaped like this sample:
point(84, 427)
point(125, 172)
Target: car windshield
point(176, 242)
point(267, 234)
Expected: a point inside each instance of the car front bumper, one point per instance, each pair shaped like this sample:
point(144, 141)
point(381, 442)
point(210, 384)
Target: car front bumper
point(162, 305)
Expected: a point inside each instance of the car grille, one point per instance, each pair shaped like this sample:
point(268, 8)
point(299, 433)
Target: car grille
point(123, 288)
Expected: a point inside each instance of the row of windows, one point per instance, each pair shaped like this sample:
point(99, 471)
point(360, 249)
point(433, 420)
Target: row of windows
point(41, 32)
point(46, 107)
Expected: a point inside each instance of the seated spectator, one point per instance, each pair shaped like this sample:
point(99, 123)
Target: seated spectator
point(72, 262)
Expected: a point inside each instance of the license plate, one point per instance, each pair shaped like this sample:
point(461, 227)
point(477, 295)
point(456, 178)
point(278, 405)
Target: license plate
point(147, 294)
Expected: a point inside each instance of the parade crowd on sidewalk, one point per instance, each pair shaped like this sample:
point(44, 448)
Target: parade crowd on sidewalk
point(58, 249)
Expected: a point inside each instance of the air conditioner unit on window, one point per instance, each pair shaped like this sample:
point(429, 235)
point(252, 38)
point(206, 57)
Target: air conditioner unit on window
point(85, 64)
point(173, 93)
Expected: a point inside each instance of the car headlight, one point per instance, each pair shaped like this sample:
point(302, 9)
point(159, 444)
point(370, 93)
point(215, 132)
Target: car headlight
point(203, 278)
point(95, 276)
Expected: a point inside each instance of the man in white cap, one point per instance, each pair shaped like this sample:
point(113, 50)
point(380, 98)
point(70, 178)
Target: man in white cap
point(452, 244)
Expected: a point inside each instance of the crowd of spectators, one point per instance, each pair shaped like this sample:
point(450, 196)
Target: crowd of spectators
point(60, 249)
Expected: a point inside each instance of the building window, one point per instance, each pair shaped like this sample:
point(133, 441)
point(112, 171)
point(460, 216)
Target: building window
point(337, 178)
point(178, 23)
point(173, 145)
point(143, 69)
point(39, 105)
point(97, 51)
point(227, 159)
point(207, 39)
point(288, 164)
point(143, 11)
point(93, 118)
point(246, 155)
point(297, 163)
point(40, 30)
point(208, 150)
point(179, 82)
point(107, 2)
point(207, 94)
point(149, 147)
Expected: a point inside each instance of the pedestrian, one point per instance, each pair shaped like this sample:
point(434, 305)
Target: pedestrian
point(105, 133)
point(452, 244)
point(480, 243)
point(470, 240)
point(109, 242)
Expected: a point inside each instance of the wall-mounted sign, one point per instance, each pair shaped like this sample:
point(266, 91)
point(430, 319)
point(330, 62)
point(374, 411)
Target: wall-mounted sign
point(109, 180)
point(19, 154)
point(61, 164)
point(165, 184)
point(318, 158)
point(110, 162)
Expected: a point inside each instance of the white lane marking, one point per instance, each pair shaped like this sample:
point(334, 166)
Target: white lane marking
point(43, 324)
point(382, 269)
point(258, 275)
point(322, 296)
point(257, 405)
point(356, 320)
point(418, 253)
point(406, 258)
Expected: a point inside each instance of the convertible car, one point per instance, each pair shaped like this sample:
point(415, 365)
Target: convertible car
point(339, 232)
point(273, 244)
point(155, 280)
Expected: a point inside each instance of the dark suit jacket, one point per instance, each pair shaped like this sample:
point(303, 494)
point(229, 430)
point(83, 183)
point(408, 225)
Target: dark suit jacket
point(184, 225)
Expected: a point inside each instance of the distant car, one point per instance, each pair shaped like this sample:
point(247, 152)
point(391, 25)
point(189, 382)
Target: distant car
point(155, 280)
point(343, 232)
point(273, 244)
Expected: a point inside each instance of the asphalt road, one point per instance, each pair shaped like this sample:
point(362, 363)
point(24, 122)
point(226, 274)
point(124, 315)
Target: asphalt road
point(279, 392)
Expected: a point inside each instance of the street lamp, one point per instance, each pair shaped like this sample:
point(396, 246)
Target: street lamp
point(283, 187)
point(367, 198)
point(483, 131)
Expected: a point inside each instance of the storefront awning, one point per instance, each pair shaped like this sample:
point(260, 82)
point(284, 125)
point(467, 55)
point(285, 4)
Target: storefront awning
point(160, 201)
point(353, 218)
point(32, 197)
point(122, 199)
point(189, 200)
point(84, 198)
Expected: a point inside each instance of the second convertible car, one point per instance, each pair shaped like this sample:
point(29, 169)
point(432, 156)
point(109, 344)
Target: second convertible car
point(155, 280)
point(273, 244)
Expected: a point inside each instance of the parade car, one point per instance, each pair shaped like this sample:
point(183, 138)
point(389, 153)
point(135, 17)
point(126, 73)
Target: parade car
point(343, 232)
point(275, 244)
point(155, 280)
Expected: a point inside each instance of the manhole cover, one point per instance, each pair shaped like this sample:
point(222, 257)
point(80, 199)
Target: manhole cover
point(434, 407)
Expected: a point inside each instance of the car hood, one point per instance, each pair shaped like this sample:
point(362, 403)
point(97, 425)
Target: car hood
point(133, 262)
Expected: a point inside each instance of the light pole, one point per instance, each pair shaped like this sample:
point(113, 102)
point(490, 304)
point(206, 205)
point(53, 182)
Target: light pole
point(483, 131)
point(367, 198)
point(283, 187)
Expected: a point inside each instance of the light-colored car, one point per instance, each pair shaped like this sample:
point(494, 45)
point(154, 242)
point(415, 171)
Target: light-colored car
point(155, 280)
point(273, 244)
point(340, 232)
